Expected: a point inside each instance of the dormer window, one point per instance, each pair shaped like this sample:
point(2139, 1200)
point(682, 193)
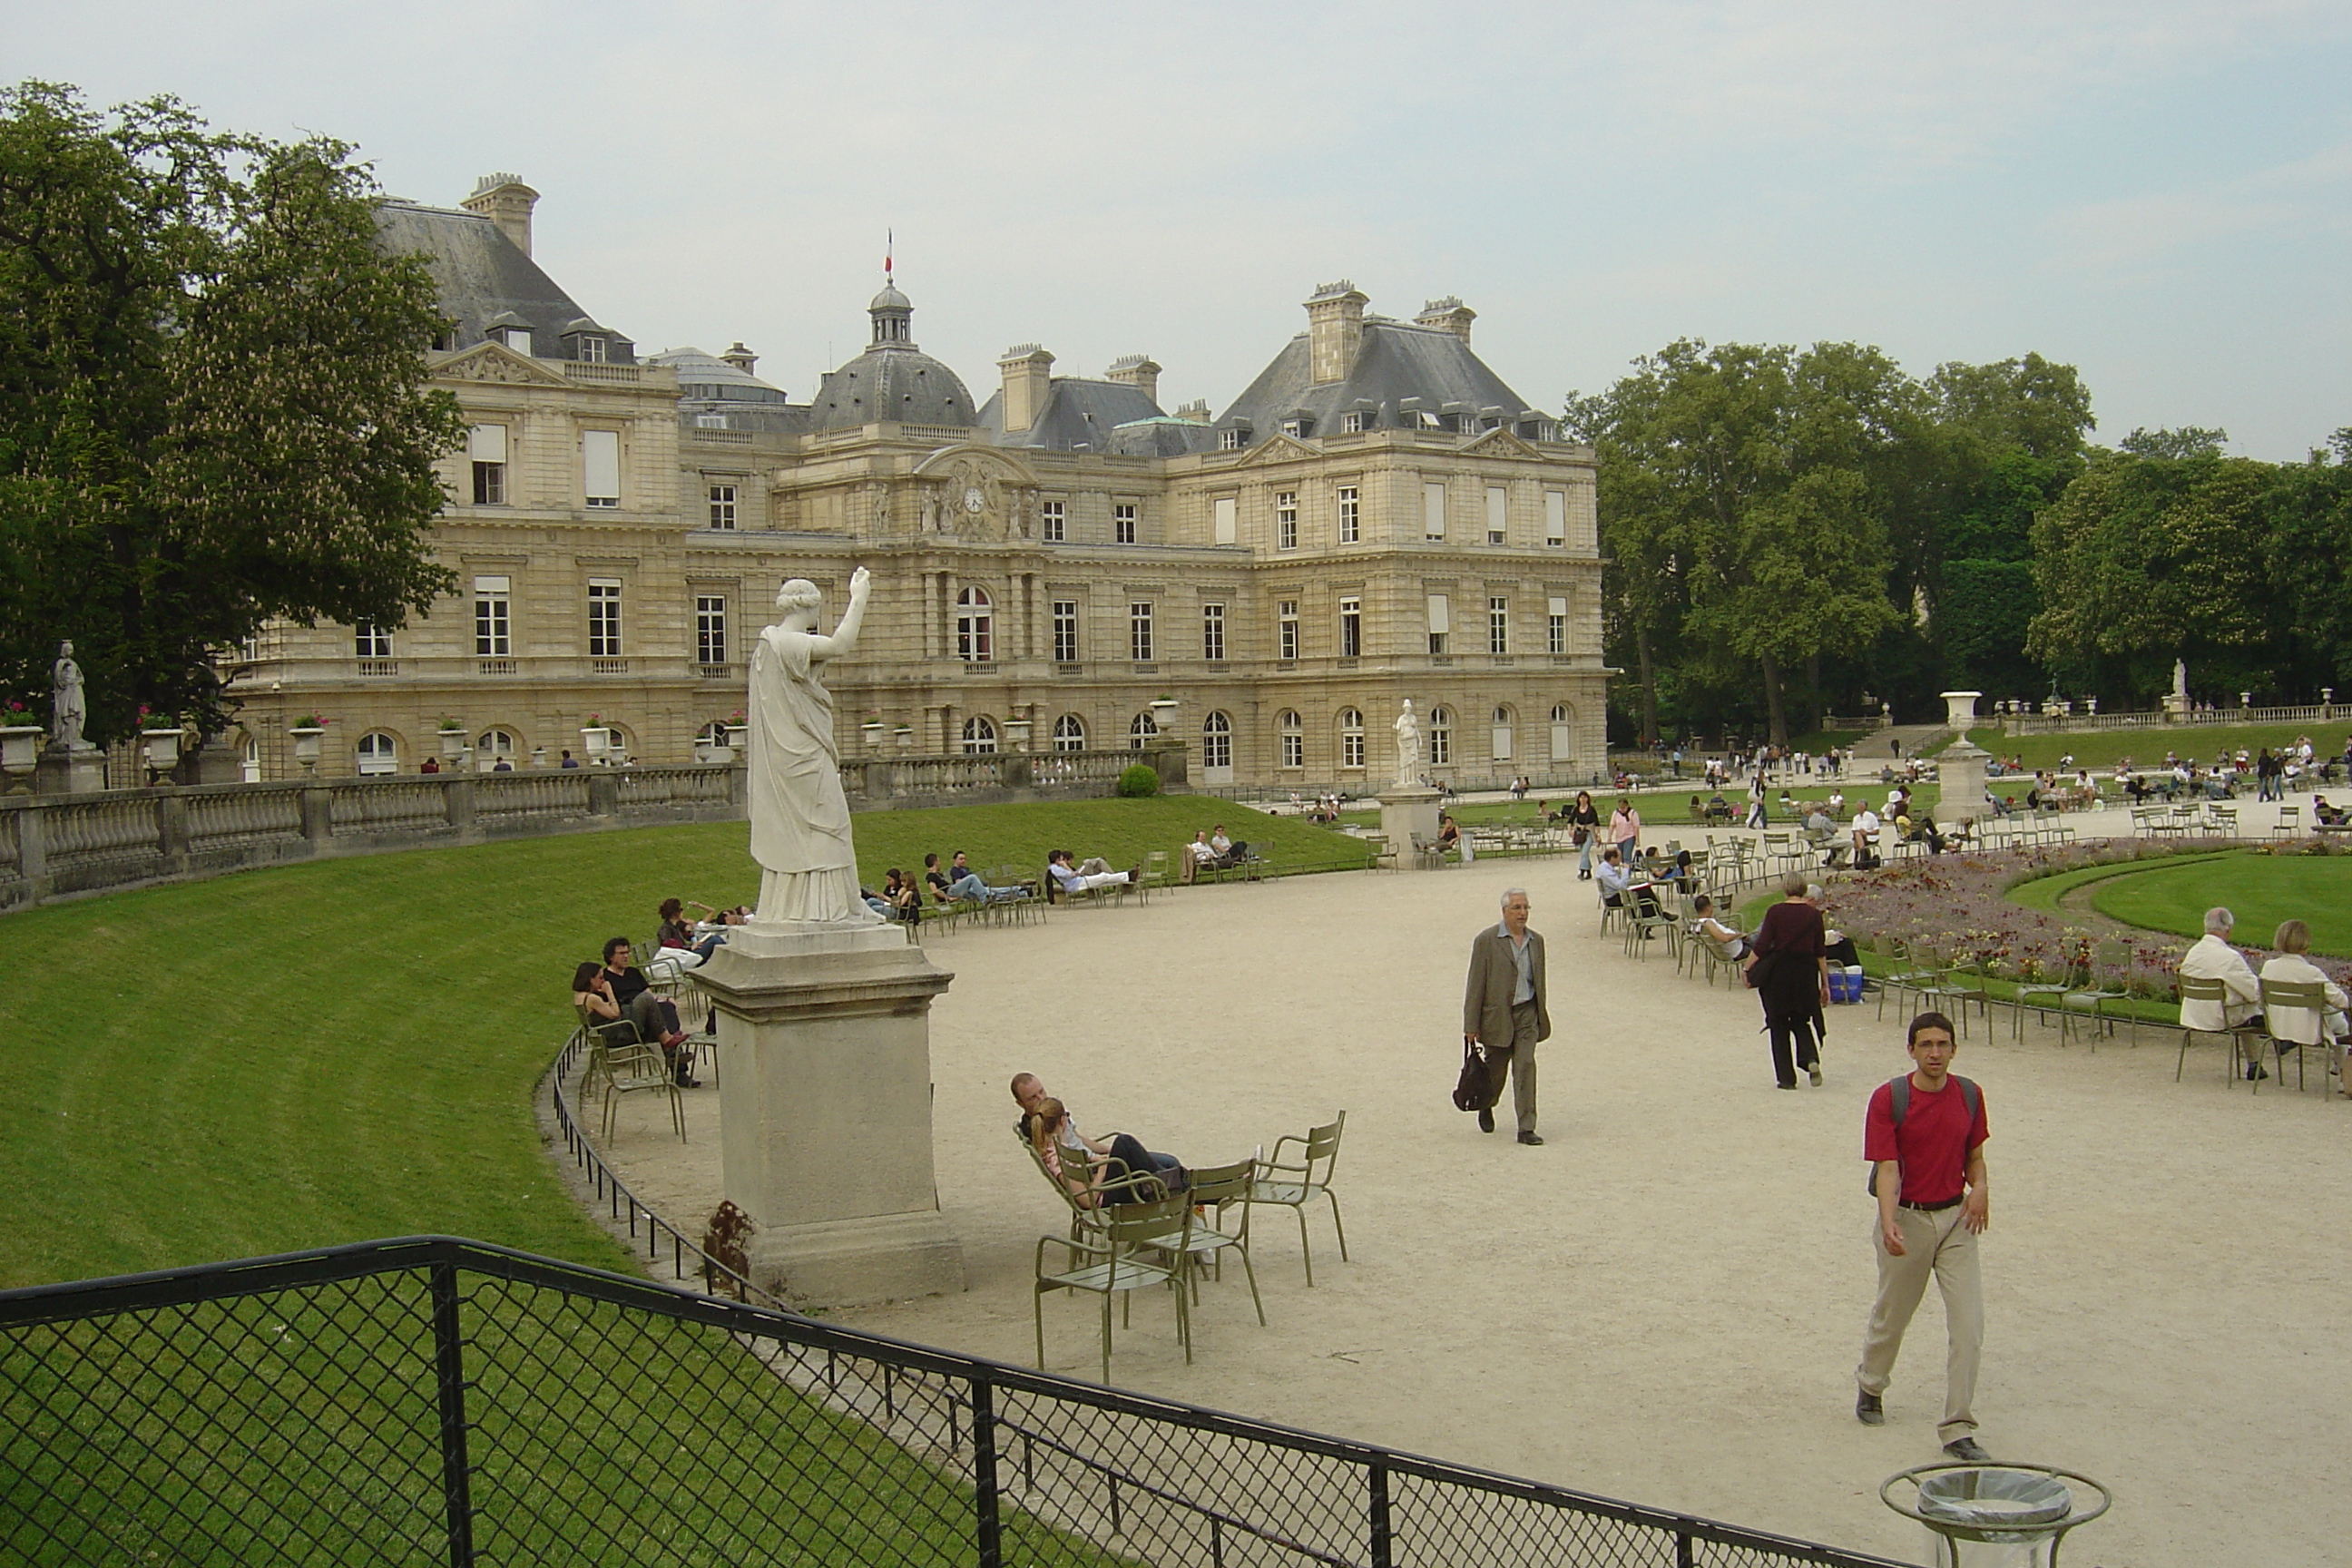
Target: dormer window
point(592, 349)
point(1428, 419)
point(1234, 439)
point(515, 338)
point(1352, 423)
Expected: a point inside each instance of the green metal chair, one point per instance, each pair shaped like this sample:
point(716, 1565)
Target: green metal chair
point(1107, 1261)
point(1214, 1190)
point(2214, 991)
point(1294, 1185)
point(1904, 972)
point(2297, 997)
point(2091, 1000)
point(2038, 997)
point(619, 1063)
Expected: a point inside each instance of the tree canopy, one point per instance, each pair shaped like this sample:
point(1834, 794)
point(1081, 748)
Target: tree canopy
point(213, 401)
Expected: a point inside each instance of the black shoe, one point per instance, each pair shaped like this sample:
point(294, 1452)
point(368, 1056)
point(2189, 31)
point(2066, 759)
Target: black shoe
point(1869, 1411)
point(1790, 1084)
point(1815, 1069)
point(1968, 1450)
point(1531, 1140)
point(2256, 1072)
point(1486, 1121)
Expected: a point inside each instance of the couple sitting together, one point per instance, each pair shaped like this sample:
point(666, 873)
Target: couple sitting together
point(616, 994)
point(1096, 1171)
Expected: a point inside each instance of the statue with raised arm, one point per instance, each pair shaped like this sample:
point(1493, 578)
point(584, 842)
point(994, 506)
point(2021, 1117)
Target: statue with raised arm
point(1407, 735)
point(66, 710)
point(799, 816)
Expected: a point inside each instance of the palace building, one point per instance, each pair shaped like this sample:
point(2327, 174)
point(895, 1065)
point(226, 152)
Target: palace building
point(1376, 516)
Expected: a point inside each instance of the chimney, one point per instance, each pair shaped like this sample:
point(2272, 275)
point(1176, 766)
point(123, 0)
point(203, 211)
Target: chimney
point(1028, 378)
point(739, 356)
point(1448, 314)
point(1335, 330)
point(1196, 411)
point(1139, 372)
point(507, 202)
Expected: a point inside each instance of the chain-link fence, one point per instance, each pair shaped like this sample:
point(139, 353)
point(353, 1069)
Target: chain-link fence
point(432, 1400)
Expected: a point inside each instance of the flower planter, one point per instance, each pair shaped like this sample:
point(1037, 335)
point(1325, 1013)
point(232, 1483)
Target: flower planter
point(906, 738)
point(735, 735)
point(306, 746)
point(163, 749)
point(1016, 735)
point(595, 740)
point(874, 733)
point(453, 743)
point(20, 746)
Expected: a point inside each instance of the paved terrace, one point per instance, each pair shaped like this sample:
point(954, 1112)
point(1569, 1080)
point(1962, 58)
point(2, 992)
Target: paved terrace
point(1665, 1302)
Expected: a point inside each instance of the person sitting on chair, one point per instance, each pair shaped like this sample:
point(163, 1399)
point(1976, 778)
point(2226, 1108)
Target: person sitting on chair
point(963, 883)
point(1621, 890)
point(2325, 815)
point(1095, 872)
point(1728, 943)
point(1149, 1175)
point(1199, 855)
point(1225, 852)
point(616, 993)
point(2297, 1026)
point(2212, 958)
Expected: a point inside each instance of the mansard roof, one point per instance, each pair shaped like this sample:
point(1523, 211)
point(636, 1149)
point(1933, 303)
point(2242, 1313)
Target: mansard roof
point(1397, 361)
point(480, 276)
point(1089, 414)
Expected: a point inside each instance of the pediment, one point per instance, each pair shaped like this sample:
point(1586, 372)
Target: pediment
point(495, 363)
point(1276, 448)
point(971, 459)
point(1500, 443)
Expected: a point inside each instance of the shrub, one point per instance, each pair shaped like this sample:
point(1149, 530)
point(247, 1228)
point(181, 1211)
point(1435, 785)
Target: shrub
point(1137, 780)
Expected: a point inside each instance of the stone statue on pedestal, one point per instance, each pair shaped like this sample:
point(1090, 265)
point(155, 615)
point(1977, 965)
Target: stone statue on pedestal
point(800, 815)
point(2180, 678)
point(1408, 739)
point(67, 711)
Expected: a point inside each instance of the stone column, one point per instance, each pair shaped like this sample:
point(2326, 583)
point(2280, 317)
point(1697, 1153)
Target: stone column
point(824, 1092)
point(1960, 766)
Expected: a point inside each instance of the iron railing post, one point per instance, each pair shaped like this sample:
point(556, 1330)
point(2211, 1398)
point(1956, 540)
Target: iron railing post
point(1380, 1516)
point(449, 1374)
point(983, 1474)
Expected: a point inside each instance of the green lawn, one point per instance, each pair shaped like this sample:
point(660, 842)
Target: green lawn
point(2099, 749)
point(2259, 890)
point(346, 1049)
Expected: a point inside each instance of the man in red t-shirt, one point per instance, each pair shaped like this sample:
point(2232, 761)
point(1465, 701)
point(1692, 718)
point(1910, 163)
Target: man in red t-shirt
point(1929, 1174)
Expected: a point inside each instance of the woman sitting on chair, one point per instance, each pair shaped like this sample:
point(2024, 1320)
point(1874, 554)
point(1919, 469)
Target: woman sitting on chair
point(616, 993)
point(2293, 964)
point(1089, 1181)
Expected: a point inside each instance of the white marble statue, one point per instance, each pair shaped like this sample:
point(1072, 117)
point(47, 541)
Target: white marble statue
point(66, 710)
point(2180, 678)
point(800, 817)
point(1407, 735)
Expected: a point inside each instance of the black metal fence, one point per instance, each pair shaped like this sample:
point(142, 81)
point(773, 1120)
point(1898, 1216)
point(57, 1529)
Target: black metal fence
point(432, 1400)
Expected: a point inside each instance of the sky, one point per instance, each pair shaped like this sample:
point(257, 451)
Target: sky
point(2157, 192)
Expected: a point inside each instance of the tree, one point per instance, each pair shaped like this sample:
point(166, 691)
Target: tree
point(213, 401)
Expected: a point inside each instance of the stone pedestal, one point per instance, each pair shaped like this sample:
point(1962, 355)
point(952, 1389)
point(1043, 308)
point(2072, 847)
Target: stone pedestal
point(1404, 812)
point(824, 1095)
point(71, 767)
point(1961, 776)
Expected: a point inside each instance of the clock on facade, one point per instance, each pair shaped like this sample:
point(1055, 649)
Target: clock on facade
point(971, 498)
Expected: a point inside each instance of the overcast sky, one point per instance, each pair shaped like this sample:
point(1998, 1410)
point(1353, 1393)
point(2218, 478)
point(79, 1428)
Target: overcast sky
point(2159, 192)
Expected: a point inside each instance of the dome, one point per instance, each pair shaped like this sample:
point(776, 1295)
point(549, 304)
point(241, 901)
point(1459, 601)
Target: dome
point(891, 299)
point(894, 383)
point(703, 377)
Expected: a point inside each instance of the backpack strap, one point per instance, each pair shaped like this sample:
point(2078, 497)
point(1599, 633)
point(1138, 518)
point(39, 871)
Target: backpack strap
point(1898, 1094)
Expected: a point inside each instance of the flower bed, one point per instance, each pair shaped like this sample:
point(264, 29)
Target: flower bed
point(1959, 904)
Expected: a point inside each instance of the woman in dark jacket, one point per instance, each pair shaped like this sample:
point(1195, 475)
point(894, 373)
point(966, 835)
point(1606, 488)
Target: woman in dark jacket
point(1789, 967)
point(1584, 822)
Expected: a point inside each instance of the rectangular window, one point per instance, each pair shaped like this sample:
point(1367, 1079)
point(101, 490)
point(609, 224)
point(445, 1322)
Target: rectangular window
point(1286, 645)
point(599, 467)
point(1556, 625)
point(592, 350)
point(722, 506)
point(1433, 509)
point(1294, 749)
point(369, 641)
point(1441, 622)
point(1138, 632)
point(1556, 519)
point(1350, 514)
point(709, 629)
point(1049, 521)
point(1499, 510)
point(1498, 626)
point(1232, 440)
point(487, 447)
point(1352, 423)
point(1122, 524)
point(1351, 628)
point(1222, 528)
point(1285, 520)
point(603, 618)
point(1212, 632)
point(1065, 631)
point(491, 619)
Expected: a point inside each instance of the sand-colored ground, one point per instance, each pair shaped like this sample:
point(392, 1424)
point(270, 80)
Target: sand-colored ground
point(1664, 1303)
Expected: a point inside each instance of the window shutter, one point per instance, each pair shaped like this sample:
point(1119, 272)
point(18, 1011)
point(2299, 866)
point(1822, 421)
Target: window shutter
point(1440, 617)
point(1224, 522)
point(1559, 604)
point(1498, 511)
point(1555, 517)
point(600, 460)
point(1433, 509)
point(488, 444)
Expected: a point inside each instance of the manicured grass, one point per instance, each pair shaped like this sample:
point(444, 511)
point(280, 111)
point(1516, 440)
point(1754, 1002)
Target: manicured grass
point(2098, 750)
point(2043, 892)
point(2259, 890)
point(344, 1050)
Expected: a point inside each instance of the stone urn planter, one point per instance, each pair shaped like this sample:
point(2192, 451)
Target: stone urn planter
point(595, 741)
point(163, 749)
point(453, 743)
point(307, 738)
point(905, 735)
point(736, 734)
point(1016, 735)
point(873, 732)
point(20, 746)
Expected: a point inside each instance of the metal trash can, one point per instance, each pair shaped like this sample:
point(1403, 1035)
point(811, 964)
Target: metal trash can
point(1994, 1515)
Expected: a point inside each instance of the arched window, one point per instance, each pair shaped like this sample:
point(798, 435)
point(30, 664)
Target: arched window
point(1143, 728)
point(979, 736)
point(1069, 734)
point(379, 753)
point(493, 744)
point(713, 733)
point(1217, 742)
point(1352, 737)
point(1294, 739)
point(1502, 733)
point(1441, 737)
point(1563, 749)
point(975, 628)
point(248, 759)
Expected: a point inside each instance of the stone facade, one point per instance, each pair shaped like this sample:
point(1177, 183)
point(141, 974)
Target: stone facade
point(1283, 573)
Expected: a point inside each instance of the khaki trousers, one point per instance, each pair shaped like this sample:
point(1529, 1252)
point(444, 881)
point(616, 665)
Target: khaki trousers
point(1940, 1244)
point(1519, 1057)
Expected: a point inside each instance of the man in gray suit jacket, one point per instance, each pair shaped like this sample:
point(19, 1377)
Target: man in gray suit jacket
point(1503, 1011)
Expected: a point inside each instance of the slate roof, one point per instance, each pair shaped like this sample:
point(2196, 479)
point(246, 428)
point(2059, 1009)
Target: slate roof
point(1396, 361)
point(1088, 413)
point(890, 380)
point(480, 276)
point(708, 384)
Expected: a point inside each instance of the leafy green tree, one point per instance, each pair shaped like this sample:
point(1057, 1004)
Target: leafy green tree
point(2308, 528)
point(213, 401)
